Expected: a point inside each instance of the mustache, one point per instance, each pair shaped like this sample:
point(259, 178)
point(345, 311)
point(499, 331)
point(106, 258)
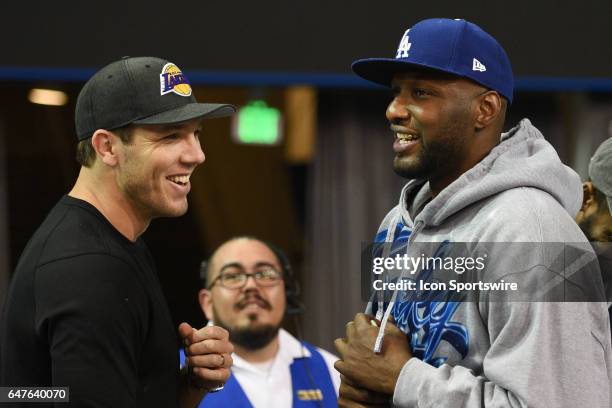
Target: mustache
point(397, 128)
point(253, 298)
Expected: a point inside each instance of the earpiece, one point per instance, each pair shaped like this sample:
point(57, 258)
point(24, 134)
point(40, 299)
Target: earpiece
point(292, 286)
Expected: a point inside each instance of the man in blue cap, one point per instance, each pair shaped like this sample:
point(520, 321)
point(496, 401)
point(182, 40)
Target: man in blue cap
point(470, 183)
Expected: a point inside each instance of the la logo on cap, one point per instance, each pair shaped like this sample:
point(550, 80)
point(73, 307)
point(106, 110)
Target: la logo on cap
point(404, 46)
point(172, 79)
point(478, 66)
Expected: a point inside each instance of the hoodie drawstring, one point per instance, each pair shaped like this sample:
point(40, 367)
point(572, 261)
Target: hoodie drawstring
point(383, 323)
point(380, 295)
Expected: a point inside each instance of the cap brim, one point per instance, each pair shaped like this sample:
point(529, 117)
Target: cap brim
point(188, 112)
point(382, 70)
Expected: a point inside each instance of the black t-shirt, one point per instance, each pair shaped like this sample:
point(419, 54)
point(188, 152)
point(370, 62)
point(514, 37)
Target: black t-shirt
point(85, 310)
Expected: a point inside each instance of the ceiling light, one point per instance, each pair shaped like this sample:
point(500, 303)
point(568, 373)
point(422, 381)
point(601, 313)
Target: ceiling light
point(47, 97)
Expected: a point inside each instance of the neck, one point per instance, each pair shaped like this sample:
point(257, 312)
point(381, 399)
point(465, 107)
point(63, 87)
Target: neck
point(262, 355)
point(481, 147)
point(101, 191)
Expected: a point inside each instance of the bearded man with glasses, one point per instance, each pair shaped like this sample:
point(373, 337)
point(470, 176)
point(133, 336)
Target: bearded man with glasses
point(248, 287)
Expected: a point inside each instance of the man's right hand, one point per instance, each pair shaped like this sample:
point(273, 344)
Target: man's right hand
point(359, 363)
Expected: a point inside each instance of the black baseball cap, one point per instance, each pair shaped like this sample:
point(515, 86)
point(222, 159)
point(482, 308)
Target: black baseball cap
point(143, 91)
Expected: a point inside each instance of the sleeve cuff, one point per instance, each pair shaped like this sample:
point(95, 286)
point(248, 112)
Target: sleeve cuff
point(412, 377)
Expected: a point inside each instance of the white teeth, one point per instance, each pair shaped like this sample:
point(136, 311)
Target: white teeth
point(179, 179)
point(403, 137)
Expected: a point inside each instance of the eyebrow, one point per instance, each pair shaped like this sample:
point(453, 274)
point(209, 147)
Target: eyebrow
point(428, 75)
point(176, 127)
point(169, 128)
point(241, 266)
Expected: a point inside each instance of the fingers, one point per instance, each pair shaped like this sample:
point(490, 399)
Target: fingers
point(341, 345)
point(360, 322)
point(185, 330)
point(214, 377)
point(347, 403)
point(208, 332)
point(363, 396)
point(347, 380)
point(341, 367)
point(211, 332)
point(363, 322)
point(209, 347)
point(210, 361)
point(207, 340)
point(362, 319)
point(351, 392)
point(350, 329)
point(208, 352)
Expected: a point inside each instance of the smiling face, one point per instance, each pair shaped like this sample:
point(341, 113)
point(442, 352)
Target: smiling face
point(254, 313)
point(153, 169)
point(431, 116)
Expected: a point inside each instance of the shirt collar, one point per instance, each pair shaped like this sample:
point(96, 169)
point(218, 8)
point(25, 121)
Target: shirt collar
point(290, 349)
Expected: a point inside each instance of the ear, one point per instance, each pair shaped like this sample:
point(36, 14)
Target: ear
point(105, 144)
point(588, 196)
point(205, 299)
point(488, 107)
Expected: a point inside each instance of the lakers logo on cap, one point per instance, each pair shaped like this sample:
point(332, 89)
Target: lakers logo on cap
point(173, 80)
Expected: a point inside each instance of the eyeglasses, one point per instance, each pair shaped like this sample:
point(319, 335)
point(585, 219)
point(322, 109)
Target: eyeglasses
point(236, 278)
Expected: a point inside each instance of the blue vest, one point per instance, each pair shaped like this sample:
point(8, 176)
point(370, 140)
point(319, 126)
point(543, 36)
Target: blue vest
point(312, 386)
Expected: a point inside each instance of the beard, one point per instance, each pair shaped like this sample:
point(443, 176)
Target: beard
point(148, 198)
point(253, 337)
point(594, 229)
point(439, 154)
point(432, 157)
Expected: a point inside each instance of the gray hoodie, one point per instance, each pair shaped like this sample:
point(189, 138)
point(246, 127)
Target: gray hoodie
point(500, 353)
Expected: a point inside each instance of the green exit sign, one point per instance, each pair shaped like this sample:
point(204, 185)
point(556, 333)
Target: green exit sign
point(257, 123)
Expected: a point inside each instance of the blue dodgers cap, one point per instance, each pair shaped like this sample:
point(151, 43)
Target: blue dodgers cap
point(454, 46)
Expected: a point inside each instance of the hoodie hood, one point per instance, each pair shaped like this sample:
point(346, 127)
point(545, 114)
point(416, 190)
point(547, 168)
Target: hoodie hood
point(523, 158)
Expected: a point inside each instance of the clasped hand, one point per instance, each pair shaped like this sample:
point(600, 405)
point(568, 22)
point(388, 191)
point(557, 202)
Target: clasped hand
point(368, 378)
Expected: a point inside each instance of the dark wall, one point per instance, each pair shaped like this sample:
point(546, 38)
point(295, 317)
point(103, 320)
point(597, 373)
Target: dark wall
point(544, 37)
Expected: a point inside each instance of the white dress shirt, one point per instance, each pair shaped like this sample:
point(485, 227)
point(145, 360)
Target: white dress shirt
point(268, 384)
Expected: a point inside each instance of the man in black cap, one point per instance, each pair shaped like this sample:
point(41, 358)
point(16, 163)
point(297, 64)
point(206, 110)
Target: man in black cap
point(85, 309)
point(467, 182)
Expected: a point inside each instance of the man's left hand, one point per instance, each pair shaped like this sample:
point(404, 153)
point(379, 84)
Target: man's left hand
point(363, 367)
point(352, 396)
point(208, 355)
